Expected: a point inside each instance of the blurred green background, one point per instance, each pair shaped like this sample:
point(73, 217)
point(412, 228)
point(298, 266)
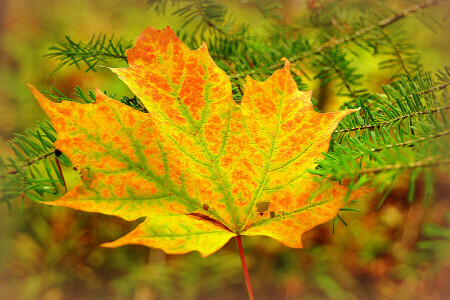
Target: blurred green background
point(399, 252)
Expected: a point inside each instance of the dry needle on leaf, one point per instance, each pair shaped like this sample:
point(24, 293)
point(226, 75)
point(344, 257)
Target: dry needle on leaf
point(201, 168)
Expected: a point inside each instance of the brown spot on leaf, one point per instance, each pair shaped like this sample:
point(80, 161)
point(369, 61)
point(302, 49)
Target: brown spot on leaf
point(262, 206)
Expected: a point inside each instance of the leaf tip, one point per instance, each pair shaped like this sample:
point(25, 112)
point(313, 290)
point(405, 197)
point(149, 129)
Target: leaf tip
point(287, 63)
point(98, 93)
point(43, 101)
point(352, 110)
point(109, 245)
point(33, 90)
point(204, 46)
point(100, 96)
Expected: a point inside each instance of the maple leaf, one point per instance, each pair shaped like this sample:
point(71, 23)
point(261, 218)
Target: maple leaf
point(201, 168)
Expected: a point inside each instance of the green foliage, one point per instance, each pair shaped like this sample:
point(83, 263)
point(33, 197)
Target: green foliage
point(33, 172)
point(438, 241)
point(97, 50)
point(402, 130)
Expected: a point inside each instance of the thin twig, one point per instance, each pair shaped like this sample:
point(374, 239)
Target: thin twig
point(412, 142)
point(433, 89)
point(428, 162)
point(397, 52)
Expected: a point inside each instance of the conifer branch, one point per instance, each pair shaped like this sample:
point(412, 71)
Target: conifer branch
point(97, 50)
point(205, 18)
point(343, 79)
point(412, 142)
point(352, 102)
point(212, 13)
point(30, 162)
point(396, 51)
point(348, 38)
point(431, 111)
point(21, 175)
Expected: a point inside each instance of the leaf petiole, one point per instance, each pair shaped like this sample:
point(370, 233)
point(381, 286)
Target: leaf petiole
point(244, 268)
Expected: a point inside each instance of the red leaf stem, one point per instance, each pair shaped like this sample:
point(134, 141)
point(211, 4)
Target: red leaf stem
point(244, 268)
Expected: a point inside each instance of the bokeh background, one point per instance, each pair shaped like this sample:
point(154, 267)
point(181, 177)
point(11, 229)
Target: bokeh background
point(401, 251)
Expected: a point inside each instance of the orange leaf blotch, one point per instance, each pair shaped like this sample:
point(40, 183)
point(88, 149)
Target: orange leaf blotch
point(299, 101)
point(109, 163)
point(260, 102)
point(157, 167)
point(214, 132)
point(129, 120)
point(259, 107)
point(154, 79)
point(170, 107)
point(141, 187)
point(178, 63)
point(193, 88)
point(218, 89)
point(226, 162)
point(243, 188)
point(106, 193)
point(236, 122)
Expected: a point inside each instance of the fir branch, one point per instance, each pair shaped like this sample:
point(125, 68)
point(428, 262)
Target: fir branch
point(336, 61)
point(390, 147)
point(345, 82)
point(412, 142)
point(208, 12)
point(213, 16)
point(21, 176)
point(29, 162)
point(396, 49)
point(198, 5)
point(351, 103)
point(380, 124)
point(159, 5)
point(267, 8)
point(333, 43)
point(98, 49)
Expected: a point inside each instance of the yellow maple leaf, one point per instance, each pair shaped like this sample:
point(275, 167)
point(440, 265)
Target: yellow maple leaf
point(201, 168)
